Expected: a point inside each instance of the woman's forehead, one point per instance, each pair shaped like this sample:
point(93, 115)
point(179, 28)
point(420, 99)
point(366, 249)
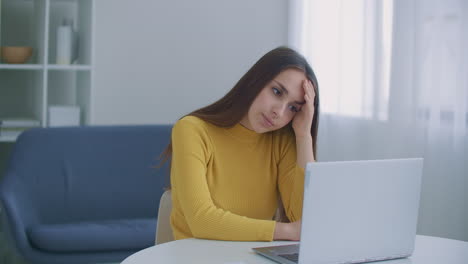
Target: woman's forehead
point(291, 75)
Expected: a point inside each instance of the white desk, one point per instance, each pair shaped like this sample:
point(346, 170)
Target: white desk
point(428, 250)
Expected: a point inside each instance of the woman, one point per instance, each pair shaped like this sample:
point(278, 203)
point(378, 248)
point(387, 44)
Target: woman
point(233, 160)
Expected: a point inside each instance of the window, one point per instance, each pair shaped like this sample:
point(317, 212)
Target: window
point(348, 44)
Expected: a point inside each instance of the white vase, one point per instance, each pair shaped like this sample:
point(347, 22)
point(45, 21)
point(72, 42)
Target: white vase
point(65, 43)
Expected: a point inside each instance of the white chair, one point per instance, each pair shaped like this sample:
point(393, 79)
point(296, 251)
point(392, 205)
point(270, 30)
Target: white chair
point(163, 227)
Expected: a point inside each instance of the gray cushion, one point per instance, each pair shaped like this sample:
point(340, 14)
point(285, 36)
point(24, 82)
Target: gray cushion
point(111, 235)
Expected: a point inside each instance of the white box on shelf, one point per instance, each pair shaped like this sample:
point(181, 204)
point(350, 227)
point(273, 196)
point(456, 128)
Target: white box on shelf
point(63, 115)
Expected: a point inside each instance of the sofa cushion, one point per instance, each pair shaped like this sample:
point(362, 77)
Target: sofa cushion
point(123, 234)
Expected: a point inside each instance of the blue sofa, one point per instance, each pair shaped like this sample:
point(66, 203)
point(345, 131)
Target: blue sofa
point(84, 194)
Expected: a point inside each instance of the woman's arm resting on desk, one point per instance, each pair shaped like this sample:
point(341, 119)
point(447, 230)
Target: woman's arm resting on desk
point(288, 231)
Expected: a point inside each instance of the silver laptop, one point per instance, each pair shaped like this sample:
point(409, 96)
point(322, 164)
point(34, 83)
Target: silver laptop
point(356, 211)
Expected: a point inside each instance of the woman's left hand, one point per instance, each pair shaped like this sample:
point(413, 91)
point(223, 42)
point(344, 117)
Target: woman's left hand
point(302, 122)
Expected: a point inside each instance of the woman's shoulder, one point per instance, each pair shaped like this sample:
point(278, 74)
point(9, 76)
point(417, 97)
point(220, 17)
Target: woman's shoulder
point(189, 119)
point(191, 123)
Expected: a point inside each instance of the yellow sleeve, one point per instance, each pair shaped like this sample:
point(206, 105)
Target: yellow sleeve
point(191, 148)
point(290, 180)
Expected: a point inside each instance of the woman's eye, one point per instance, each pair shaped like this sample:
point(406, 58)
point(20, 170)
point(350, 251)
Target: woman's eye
point(276, 91)
point(293, 109)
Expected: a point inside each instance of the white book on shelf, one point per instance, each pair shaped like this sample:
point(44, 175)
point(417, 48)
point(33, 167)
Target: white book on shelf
point(8, 138)
point(10, 133)
point(19, 122)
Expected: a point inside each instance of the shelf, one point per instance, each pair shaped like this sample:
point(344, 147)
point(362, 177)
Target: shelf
point(30, 89)
point(57, 67)
point(7, 139)
point(21, 66)
point(72, 67)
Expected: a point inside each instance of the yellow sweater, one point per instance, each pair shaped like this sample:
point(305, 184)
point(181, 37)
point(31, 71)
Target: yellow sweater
point(225, 181)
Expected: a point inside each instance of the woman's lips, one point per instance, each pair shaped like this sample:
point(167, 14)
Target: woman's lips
point(267, 122)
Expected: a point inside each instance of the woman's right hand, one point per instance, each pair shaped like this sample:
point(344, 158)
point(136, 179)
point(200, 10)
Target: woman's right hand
point(288, 231)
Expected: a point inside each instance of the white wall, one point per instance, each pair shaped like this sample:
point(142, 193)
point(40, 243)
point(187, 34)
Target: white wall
point(158, 60)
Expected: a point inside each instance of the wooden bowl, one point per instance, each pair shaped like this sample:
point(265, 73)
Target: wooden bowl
point(16, 54)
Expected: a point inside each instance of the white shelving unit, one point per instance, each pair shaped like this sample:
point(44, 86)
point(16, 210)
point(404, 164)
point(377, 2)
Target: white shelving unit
point(27, 90)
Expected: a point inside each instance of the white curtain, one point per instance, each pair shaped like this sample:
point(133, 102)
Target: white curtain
point(393, 79)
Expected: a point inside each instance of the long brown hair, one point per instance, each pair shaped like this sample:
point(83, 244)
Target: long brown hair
point(229, 110)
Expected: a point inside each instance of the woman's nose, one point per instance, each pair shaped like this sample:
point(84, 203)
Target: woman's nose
point(279, 110)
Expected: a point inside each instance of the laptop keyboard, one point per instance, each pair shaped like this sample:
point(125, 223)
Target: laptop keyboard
point(294, 257)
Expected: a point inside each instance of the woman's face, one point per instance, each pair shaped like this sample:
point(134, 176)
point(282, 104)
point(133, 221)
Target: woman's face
point(278, 102)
